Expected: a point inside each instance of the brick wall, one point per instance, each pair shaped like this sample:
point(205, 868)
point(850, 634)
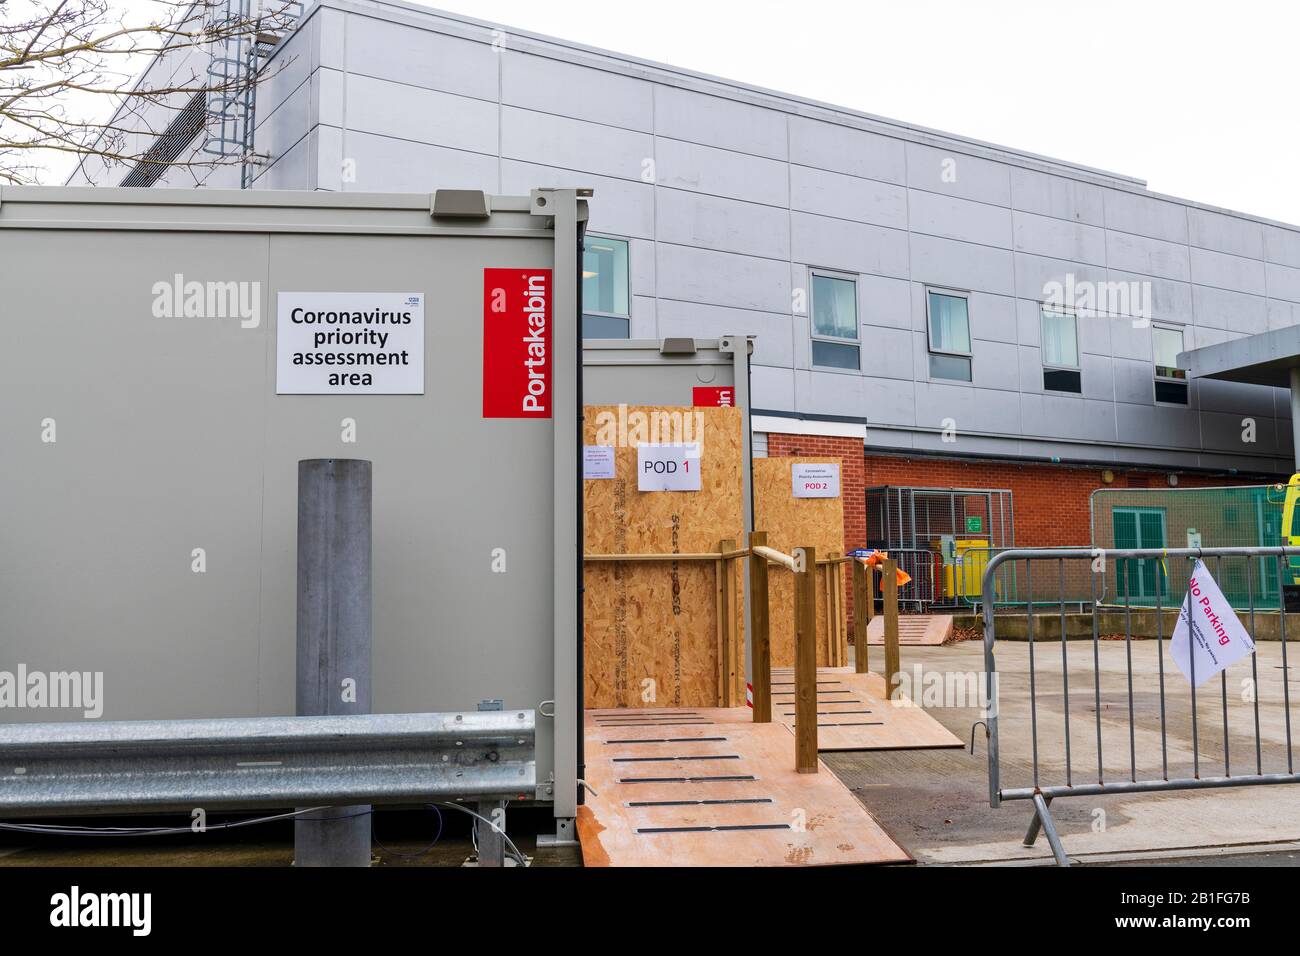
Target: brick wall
point(1050, 502)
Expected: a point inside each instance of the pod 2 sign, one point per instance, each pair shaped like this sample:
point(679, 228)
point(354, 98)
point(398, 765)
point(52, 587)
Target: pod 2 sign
point(815, 480)
point(517, 343)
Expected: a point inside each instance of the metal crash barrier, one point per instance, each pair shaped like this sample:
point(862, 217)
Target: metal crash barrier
point(261, 762)
point(1091, 732)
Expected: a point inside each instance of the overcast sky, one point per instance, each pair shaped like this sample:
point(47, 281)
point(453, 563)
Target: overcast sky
point(1198, 98)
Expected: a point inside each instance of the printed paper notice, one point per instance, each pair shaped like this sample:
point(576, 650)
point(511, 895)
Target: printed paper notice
point(815, 481)
point(1208, 638)
point(349, 343)
point(597, 462)
point(668, 467)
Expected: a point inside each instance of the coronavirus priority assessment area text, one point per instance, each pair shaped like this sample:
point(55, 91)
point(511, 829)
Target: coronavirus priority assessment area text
point(350, 343)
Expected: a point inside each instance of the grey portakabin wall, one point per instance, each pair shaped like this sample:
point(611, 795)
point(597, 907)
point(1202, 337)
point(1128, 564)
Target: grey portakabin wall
point(171, 437)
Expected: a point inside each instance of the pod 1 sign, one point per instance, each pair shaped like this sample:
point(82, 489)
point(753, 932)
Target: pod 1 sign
point(668, 467)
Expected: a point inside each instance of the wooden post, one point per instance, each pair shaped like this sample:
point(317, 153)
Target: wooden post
point(759, 633)
point(871, 594)
point(727, 610)
point(805, 663)
point(830, 617)
point(719, 639)
point(861, 615)
point(890, 574)
point(841, 617)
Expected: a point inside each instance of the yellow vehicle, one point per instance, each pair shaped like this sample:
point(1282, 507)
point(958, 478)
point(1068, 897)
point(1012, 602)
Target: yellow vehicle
point(1290, 527)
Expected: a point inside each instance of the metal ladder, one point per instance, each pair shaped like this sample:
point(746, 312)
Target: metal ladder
point(234, 63)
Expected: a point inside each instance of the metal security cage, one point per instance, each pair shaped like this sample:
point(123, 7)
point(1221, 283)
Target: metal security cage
point(913, 517)
point(942, 537)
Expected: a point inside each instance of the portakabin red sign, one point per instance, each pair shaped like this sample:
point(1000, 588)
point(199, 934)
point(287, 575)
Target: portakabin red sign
point(517, 343)
point(708, 396)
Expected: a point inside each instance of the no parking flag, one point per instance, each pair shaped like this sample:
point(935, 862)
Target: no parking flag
point(1208, 634)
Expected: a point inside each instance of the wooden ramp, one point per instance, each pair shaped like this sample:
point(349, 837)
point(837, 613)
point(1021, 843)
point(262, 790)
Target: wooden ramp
point(853, 714)
point(708, 787)
point(929, 630)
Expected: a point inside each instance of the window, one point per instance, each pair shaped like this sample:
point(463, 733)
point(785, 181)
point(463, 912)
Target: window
point(605, 295)
point(948, 319)
point(1171, 381)
point(1060, 352)
point(835, 322)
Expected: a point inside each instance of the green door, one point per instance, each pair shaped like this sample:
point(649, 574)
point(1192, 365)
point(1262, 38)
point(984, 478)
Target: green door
point(1270, 535)
point(1139, 578)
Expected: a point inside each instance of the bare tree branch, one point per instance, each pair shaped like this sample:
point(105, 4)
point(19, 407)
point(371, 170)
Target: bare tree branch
point(66, 84)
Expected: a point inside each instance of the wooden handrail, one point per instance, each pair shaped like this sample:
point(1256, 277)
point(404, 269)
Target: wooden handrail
point(690, 556)
point(776, 557)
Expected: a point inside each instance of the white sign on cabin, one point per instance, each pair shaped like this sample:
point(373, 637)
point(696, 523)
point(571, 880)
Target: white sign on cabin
point(349, 343)
point(668, 467)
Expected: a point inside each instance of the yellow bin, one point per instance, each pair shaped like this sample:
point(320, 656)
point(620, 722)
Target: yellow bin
point(972, 571)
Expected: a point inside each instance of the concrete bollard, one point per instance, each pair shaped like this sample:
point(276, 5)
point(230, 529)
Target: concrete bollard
point(334, 634)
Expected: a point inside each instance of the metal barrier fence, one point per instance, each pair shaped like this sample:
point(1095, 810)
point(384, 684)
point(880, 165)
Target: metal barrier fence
point(1076, 713)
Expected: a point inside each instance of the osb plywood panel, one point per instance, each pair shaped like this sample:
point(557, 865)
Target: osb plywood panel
point(792, 522)
point(853, 715)
point(651, 630)
point(708, 787)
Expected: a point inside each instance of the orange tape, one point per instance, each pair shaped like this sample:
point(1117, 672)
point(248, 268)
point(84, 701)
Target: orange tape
point(877, 558)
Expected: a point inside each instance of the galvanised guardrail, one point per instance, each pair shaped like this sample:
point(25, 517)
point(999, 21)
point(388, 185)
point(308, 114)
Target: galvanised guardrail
point(257, 762)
